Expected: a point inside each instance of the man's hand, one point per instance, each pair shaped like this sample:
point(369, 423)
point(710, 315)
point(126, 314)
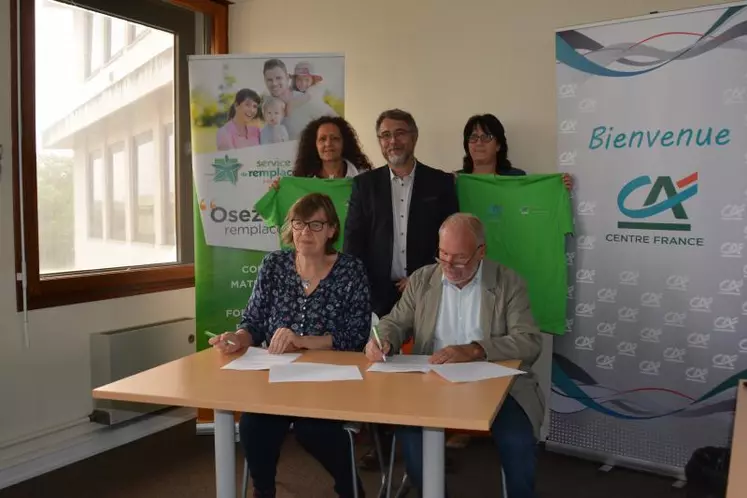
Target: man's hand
point(284, 340)
point(374, 353)
point(402, 285)
point(457, 354)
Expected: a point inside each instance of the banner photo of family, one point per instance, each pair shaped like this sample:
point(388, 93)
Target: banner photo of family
point(247, 114)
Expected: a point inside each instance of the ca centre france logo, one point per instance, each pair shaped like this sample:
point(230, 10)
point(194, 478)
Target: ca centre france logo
point(651, 335)
point(674, 355)
point(606, 362)
point(698, 340)
point(226, 169)
point(675, 194)
point(674, 319)
point(733, 212)
point(695, 374)
point(606, 329)
point(678, 282)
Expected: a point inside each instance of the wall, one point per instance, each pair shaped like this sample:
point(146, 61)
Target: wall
point(442, 60)
point(48, 385)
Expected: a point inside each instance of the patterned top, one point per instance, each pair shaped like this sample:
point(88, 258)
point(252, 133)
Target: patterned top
point(340, 305)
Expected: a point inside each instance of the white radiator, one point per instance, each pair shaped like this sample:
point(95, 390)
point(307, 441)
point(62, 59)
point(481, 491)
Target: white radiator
point(120, 353)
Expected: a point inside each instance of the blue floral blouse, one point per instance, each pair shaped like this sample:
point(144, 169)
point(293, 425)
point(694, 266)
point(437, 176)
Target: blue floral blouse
point(340, 305)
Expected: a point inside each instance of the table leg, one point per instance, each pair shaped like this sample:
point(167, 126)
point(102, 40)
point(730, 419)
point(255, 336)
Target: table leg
point(434, 447)
point(225, 454)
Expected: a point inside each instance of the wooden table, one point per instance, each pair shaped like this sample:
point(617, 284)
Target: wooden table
point(414, 399)
point(737, 486)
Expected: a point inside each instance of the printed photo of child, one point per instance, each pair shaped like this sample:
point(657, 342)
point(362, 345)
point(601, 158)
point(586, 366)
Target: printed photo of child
point(240, 131)
point(273, 110)
point(311, 105)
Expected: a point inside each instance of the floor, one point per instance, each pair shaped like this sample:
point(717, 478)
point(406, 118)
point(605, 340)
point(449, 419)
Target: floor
point(177, 463)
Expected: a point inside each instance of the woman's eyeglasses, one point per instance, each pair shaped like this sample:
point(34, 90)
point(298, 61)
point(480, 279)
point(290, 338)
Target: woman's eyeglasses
point(480, 138)
point(314, 226)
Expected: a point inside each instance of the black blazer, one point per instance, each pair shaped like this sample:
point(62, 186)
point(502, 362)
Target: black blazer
point(369, 226)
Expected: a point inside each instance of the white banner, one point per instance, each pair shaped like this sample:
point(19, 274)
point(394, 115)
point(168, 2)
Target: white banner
point(248, 112)
point(652, 123)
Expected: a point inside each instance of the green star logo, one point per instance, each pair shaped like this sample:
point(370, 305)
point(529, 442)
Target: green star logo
point(226, 170)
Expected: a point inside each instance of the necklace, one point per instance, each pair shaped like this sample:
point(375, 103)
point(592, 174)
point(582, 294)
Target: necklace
point(305, 282)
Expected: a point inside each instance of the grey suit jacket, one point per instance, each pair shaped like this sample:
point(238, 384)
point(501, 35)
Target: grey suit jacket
point(505, 319)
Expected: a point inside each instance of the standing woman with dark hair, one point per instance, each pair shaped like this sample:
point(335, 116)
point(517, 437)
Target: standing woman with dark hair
point(329, 148)
point(486, 149)
point(240, 131)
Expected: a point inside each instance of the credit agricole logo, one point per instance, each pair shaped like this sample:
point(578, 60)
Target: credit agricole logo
point(674, 195)
point(656, 205)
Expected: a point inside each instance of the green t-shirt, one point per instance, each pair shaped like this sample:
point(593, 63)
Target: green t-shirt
point(275, 204)
point(526, 219)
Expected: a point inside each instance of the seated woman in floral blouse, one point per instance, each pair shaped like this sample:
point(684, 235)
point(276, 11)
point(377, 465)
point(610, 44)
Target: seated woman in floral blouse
point(311, 297)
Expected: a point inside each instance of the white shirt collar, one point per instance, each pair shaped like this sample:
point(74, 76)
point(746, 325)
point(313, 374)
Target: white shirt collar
point(392, 176)
point(352, 170)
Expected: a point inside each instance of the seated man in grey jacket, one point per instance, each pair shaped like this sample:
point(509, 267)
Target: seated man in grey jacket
point(466, 308)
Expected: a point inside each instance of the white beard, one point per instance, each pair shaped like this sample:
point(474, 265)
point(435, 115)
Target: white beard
point(397, 160)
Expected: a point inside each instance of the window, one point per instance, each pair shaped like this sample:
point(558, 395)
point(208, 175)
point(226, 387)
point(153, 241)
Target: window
point(138, 30)
point(146, 172)
point(119, 188)
point(98, 53)
point(169, 215)
point(100, 198)
point(118, 35)
point(96, 207)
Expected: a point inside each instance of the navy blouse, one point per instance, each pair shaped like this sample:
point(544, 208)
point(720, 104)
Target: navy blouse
point(339, 306)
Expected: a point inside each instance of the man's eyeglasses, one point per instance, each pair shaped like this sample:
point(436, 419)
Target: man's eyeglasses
point(459, 265)
point(387, 136)
point(314, 226)
point(480, 138)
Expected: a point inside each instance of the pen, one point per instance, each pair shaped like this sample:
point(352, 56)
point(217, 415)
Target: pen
point(210, 334)
point(378, 340)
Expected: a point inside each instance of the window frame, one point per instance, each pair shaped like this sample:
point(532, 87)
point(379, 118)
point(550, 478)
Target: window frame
point(88, 286)
point(169, 227)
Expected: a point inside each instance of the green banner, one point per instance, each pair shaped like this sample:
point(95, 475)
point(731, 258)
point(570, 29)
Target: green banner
point(247, 114)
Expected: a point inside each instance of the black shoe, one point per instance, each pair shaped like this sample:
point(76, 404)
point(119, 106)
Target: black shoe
point(369, 461)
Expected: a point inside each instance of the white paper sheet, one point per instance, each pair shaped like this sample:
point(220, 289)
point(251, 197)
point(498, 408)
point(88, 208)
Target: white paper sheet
point(260, 359)
point(313, 372)
point(403, 363)
point(473, 371)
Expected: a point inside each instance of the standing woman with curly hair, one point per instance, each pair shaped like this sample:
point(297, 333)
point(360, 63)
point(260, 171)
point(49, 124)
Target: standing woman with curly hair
point(329, 148)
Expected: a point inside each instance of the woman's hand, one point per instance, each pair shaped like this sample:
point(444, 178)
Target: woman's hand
point(276, 184)
point(226, 343)
point(284, 340)
point(568, 181)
